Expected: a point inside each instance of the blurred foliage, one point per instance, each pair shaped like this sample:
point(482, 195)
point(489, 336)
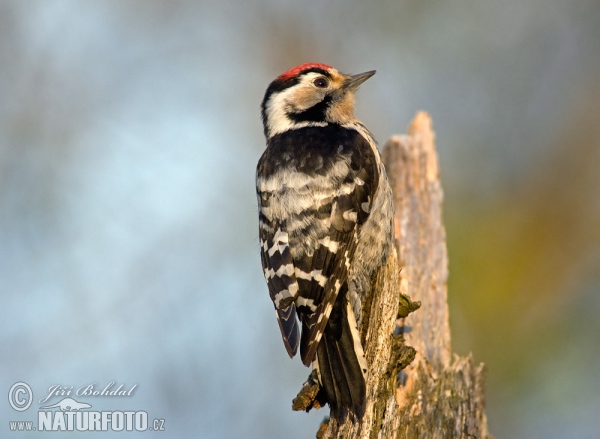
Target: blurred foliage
point(525, 263)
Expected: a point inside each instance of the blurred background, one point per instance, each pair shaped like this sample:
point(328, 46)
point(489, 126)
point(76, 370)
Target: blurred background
point(129, 136)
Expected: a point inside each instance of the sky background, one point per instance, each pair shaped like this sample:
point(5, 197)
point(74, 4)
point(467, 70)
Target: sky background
point(129, 136)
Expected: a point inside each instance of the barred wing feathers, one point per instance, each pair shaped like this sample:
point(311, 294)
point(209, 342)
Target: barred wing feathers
point(312, 204)
point(283, 287)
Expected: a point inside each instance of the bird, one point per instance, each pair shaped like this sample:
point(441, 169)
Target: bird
point(325, 212)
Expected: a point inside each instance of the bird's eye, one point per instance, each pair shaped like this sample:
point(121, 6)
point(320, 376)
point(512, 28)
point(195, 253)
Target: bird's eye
point(321, 82)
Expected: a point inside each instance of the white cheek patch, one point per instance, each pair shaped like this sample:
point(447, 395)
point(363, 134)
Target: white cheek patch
point(276, 115)
point(293, 99)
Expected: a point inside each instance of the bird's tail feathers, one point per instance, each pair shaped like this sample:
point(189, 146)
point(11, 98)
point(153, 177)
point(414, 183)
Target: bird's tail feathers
point(341, 364)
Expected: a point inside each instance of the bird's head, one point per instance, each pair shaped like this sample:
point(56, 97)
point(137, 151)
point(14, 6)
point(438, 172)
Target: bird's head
point(310, 95)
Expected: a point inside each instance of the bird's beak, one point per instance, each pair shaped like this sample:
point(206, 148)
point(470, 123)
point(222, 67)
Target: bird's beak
point(352, 82)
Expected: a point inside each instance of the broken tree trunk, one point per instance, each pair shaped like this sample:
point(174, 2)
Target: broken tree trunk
point(435, 395)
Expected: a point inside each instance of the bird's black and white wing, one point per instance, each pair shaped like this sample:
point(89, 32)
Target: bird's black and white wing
point(326, 194)
point(278, 269)
point(330, 263)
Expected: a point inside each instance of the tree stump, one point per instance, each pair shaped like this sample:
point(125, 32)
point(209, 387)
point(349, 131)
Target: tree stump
point(416, 388)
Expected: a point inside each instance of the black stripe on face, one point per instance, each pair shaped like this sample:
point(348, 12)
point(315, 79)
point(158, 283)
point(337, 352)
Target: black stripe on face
point(316, 113)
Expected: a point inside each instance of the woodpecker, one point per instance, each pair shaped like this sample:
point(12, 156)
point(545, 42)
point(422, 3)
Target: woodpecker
point(325, 224)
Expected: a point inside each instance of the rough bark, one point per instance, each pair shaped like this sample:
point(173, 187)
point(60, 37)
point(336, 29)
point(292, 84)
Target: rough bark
point(435, 396)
